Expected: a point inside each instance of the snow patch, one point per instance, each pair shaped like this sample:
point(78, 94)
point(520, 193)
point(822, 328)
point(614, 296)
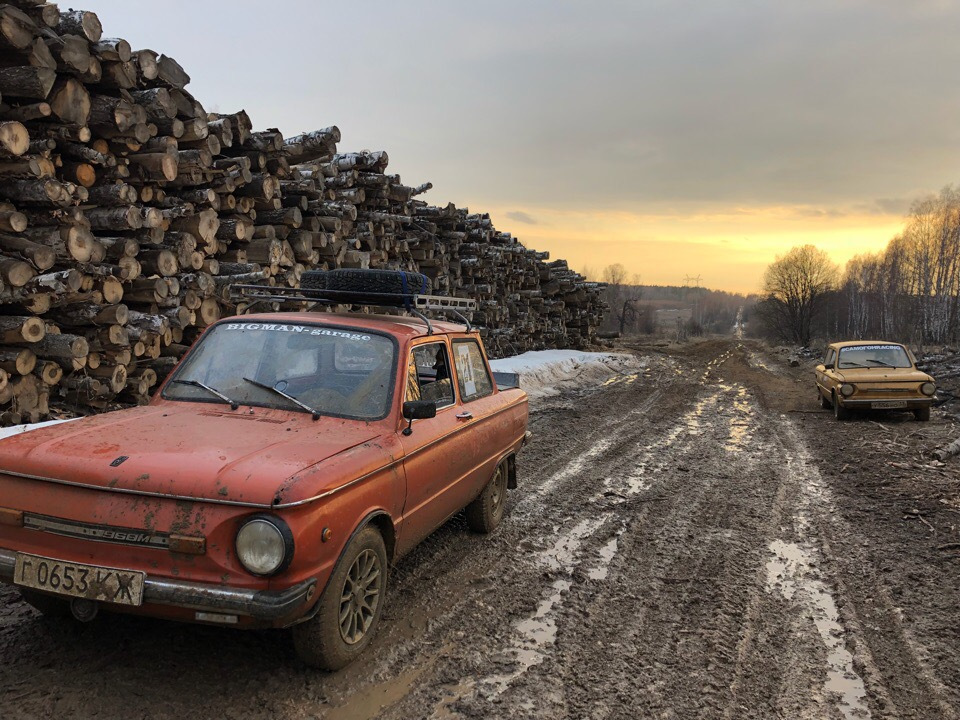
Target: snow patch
point(546, 373)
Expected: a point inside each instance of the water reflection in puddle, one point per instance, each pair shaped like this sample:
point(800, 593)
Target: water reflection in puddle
point(607, 553)
point(792, 573)
point(537, 632)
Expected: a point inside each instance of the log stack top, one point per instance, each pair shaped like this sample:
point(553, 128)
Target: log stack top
point(127, 211)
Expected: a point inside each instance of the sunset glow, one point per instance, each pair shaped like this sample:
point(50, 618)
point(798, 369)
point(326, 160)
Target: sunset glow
point(729, 249)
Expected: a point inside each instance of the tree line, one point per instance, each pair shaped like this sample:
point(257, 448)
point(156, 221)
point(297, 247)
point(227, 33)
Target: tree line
point(908, 292)
point(636, 308)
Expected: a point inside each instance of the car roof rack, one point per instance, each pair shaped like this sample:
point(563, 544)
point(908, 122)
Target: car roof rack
point(414, 303)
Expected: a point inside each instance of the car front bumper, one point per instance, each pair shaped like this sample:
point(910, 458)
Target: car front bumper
point(265, 606)
point(866, 404)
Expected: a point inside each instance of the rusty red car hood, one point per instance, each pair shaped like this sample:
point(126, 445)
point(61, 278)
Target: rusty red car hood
point(190, 450)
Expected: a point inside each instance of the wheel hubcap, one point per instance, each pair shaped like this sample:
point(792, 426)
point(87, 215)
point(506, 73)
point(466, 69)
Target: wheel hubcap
point(497, 489)
point(360, 597)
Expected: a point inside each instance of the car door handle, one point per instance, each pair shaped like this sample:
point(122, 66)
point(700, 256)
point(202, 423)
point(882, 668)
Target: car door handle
point(465, 416)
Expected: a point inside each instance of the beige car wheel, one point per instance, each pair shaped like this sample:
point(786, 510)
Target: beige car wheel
point(839, 412)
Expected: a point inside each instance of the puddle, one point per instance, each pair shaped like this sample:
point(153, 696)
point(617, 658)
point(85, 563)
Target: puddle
point(563, 553)
point(444, 709)
point(370, 702)
point(570, 469)
point(607, 553)
point(792, 573)
point(741, 424)
point(755, 361)
point(535, 634)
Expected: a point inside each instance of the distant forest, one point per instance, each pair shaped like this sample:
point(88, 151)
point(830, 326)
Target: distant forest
point(636, 308)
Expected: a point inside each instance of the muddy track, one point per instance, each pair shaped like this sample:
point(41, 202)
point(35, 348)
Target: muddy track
point(675, 550)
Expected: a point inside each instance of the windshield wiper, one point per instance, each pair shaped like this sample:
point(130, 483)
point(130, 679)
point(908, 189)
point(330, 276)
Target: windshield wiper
point(315, 413)
point(879, 362)
point(196, 383)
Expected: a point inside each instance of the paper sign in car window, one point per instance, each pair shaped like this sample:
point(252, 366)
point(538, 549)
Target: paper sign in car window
point(465, 368)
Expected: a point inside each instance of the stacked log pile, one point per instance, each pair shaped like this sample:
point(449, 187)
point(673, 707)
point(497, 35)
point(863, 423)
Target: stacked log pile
point(127, 211)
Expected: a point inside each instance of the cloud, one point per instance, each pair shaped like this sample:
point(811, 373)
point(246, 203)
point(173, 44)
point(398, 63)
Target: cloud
point(816, 212)
point(521, 217)
point(893, 206)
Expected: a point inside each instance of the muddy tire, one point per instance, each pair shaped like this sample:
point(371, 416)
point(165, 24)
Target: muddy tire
point(350, 607)
point(824, 401)
point(486, 512)
point(839, 412)
point(48, 605)
point(922, 414)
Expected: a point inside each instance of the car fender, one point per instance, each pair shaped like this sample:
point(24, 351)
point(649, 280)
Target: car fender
point(382, 518)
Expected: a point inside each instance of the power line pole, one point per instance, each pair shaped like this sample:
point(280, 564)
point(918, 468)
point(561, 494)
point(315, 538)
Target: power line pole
point(697, 310)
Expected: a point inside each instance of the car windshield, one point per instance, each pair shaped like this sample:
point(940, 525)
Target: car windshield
point(334, 371)
point(874, 356)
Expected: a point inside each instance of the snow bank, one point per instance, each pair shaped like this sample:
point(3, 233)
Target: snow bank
point(17, 429)
point(544, 373)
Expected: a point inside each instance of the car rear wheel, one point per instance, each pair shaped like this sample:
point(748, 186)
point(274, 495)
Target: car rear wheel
point(486, 512)
point(350, 607)
point(922, 414)
point(48, 605)
point(839, 412)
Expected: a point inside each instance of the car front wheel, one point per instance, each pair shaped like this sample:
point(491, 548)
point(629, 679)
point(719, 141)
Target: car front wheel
point(350, 607)
point(839, 412)
point(824, 401)
point(922, 414)
point(486, 512)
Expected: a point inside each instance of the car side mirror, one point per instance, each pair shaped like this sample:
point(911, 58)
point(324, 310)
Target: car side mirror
point(828, 366)
point(417, 410)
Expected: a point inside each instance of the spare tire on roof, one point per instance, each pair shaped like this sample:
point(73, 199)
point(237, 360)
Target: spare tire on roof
point(313, 280)
point(356, 286)
point(386, 282)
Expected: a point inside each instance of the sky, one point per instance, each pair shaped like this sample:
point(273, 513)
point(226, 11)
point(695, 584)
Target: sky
point(680, 138)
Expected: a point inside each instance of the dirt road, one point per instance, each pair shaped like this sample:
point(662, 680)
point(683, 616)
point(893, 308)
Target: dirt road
point(693, 540)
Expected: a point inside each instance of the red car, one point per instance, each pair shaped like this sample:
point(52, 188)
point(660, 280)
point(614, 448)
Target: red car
point(276, 474)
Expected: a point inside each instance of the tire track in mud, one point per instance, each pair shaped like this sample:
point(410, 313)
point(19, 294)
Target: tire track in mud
point(695, 597)
point(626, 475)
point(672, 551)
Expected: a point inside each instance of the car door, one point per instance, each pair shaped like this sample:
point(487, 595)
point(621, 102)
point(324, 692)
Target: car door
point(487, 431)
point(824, 382)
point(433, 457)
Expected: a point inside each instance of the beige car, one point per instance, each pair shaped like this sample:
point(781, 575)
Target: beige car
point(873, 375)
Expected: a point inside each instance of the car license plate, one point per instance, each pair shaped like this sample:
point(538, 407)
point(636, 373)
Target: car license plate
point(888, 404)
point(124, 587)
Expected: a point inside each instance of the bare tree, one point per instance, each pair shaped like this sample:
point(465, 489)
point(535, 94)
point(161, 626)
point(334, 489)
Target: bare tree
point(624, 298)
point(795, 286)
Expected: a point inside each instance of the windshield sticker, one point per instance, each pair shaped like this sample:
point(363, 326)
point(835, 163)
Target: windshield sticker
point(872, 347)
point(305, 329)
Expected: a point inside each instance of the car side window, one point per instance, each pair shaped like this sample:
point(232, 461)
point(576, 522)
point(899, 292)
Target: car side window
point(472, 376)
point(428, 375)
point(830, 357)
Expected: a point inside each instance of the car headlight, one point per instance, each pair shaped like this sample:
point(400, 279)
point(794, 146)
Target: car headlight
point(846, 389)
point(928, 388)
point(265, 545)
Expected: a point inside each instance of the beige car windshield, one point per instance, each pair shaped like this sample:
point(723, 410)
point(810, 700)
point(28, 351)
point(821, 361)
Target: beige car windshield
point(873, 356)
